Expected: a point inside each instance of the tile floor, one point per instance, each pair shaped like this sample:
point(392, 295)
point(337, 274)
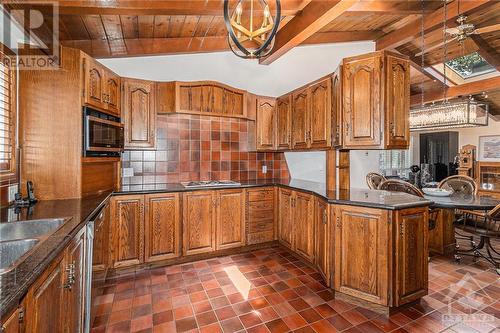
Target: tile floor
point(271, 290)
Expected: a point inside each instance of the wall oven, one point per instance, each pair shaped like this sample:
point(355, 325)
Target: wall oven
point(102, 134)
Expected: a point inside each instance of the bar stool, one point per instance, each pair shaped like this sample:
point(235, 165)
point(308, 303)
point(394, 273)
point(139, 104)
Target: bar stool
point(373, 180)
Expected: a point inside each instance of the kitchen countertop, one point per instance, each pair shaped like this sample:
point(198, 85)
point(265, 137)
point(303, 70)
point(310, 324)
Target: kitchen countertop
point(77, 212)
point(353, 197)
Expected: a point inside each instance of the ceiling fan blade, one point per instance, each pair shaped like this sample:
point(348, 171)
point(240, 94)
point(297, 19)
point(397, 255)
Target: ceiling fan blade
point(490, 28)
point(435, 46)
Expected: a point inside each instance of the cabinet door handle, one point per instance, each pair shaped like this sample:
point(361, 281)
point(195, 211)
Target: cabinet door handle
point(401, 230)
point(324, 217)
point(339, 225)
point(71, 276)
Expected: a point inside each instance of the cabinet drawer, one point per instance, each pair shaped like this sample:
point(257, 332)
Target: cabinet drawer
point(260, 237)
point(263, 225)
point(260, 195)
point(260, 215)
point(260, 205)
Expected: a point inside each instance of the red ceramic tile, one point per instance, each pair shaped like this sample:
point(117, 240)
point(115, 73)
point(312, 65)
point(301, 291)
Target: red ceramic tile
point(250, 319)
point(186, 324)
point(225, 313)
point(277, 326)
point(212, 328)
point(325, 310)
point(202, 306)
point(294, 321)
point(163, 317)
point(206, 318)
point(183, 312)
point(141, 323)
point(310, 315)
point(231, 325)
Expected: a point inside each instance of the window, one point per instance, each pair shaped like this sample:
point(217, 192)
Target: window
point(7, 116)
point(395, 163)
point(470, 65)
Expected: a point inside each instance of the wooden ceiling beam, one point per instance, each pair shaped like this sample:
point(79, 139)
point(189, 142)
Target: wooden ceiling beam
point(466, 89)
point(431, 22)
point(487, 52)
point(158, 46)
point(389, 7)
point(159, 7)
point(310, 20)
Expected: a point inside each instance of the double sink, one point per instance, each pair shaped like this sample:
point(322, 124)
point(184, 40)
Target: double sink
point(18, 239)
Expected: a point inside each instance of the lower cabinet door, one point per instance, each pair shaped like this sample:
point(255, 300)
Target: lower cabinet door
point(199, 222)
point(322, 246)
point(411, 263)
point(44, 305)
point(12, 324)
point(74, 285)
point(285, 217)
point(303, 219)
point(362, 253)
point(162, 227)
point(127, 230)
point(230, 230)
point(100, 251)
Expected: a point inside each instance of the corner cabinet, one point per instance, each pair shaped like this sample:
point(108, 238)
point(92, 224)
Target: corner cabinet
point(284, 122)
point(300, 119)
point(375, 101)
point(139, 113)
point(265, 123)
point(322, 252)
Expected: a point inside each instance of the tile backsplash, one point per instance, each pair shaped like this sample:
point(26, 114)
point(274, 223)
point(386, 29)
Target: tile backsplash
point(191, 147)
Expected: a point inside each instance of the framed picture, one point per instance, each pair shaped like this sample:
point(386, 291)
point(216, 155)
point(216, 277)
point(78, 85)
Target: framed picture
point(489, 148)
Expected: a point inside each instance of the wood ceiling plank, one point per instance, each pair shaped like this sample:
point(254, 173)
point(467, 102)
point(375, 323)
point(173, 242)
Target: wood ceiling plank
point(342, 36)
point(311, 19)
point(203, 26)
point(112, 26)
point(146, 26)
point(95, 27)
point(487, 52)
point(189, 26)
point(394, 7)
point(176, 24)
point(75, 26)
point(160, 7)
point(161, 26)
point(130, 26)
point(431, 22)
point(471, 88)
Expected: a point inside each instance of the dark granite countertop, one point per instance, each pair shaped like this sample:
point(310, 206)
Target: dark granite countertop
point(464, 201)
point(76, 212)
point(353, 197)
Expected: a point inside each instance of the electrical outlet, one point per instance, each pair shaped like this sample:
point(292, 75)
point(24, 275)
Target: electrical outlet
point(264, 169)
point(128, 172)
point(12, 192)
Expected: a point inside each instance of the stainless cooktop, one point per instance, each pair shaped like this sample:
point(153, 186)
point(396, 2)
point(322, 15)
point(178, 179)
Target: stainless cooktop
point(210, 183)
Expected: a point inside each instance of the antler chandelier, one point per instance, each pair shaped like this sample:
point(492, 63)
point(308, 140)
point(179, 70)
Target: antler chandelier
point(251, 30)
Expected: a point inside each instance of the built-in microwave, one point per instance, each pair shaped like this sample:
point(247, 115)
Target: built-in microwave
point(102, 133)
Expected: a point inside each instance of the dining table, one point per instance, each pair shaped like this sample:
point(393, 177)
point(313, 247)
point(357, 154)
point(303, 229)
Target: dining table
point(442, 237)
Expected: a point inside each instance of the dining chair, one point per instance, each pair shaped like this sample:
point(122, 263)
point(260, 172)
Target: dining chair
point(459, 184)
point(373, 180)
point(486, 226)
point(397, 185)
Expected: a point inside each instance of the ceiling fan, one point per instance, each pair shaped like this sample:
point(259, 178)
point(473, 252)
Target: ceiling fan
point(463, 31)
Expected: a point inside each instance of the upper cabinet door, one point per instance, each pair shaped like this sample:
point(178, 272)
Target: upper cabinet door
point(139, 114)
point(361, 101)
point(218, 99)
point(238, 104)
point(265, 123)
point(112, 93)
point(162, 226)
point(300, 119)
point(197, 102)
point(127, 230)
point(94, 90)
point(320, 131)
point(397, 102)
point(337, 107)
point(230, 230)
point(283, 122)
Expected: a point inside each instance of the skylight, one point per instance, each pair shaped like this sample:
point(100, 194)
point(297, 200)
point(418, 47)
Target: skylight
point(470, 65)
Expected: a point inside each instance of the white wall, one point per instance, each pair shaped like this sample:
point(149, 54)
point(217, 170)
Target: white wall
point(362, 162)
point(296, 68)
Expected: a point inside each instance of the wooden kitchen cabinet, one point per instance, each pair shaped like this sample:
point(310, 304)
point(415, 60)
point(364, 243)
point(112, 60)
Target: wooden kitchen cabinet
point(285, 217)
point(100, 251)
point(336, 113)
point(265, 123)
point(74, 300)
point(376, 101)
point(139, 113)
point(260, 215)
point(230, 229)
point(322, 252)
point(127, 230)
point(14, 322)
point(300, 119)
point(199, 218)
point(296, 222)
point(411, 249)
point(320, 114)
point(362, 238)
point(284, 122)
point(162, 226)
point(101, 87)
